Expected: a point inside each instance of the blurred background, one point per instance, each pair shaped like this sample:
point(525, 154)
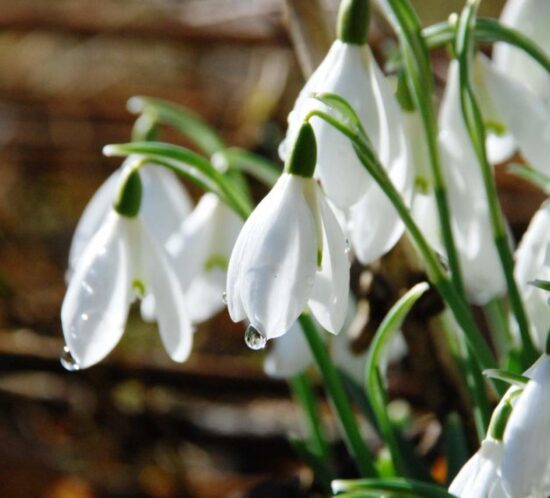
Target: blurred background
point(139, 425)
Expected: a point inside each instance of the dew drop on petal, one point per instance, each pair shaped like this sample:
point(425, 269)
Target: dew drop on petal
point(254, 339)
point(67, 360)
point(348, 246)
point(224, 297)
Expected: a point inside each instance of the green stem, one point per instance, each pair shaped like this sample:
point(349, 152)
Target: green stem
point(420, 80)
point(305, 396)
point(496, 313)
point(419, 76)
point(476, 130)
point(333, 384)
point(487, 30)
point(405, 487)
point(156, 150)
point(435, 271)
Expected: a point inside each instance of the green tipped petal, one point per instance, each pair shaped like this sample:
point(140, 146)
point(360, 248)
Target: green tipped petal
point(353, 21)
point(303, 157)
point(128, 199)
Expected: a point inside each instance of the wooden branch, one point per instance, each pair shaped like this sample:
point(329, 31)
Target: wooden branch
point(309, 33)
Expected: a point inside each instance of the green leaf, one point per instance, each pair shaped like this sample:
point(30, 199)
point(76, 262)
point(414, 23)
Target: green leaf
point(401, 487)
point(541, 284)
point(506, 376)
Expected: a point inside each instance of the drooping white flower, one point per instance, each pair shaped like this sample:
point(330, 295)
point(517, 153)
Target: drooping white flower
point(511, 106)
point(200, 251)
point(530, 17)
point(350, 71)
point(478, 478)
point(525, 467)
point(291, 253)
point(532, 262)
point(483, 275)
point(121, 261)
point(165, 204)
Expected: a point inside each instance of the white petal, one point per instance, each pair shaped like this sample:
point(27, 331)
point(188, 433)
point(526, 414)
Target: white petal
point(424, 211)
point(500, 148)
point(525, 465)
point(526, 115)
point(95, 308)
point(277, 259)
point(170, 307)
point(201, 251)
point(531, 18)
point(345, 72)
point(92, 218)
point(165, 202)
point(479, 259)
point(204, 297)
point(329, 297)
point(189, 246)
point(478, 478)
point(531, 264)
point(289, 354)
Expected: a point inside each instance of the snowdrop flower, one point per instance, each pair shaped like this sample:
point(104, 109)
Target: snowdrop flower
point(121, 261)
point(522, 117)
point(200, 252)
point(290, 253)
point(530, 17)
point(478, 478)
point(165, 203)
point(349, 70)
point(532, 262)
point(471, 225)
point(525, 467)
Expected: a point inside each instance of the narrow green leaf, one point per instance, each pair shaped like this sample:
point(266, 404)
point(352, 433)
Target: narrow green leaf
point(506, 376)
point(375, 390)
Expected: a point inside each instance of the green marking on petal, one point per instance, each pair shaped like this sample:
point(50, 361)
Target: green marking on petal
point(422, 184)
point(139, 287)
point(319, 257)
point(495, 127)
point(216, 261)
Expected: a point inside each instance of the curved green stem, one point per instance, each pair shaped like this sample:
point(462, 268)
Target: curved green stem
point(405, 487)
point(474, 124)
point(375, 391)
point(171, 153)
point(337, 395)
point(434, 269)
point(487, 30)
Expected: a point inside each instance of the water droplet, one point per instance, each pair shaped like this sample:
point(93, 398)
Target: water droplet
point(224, 297)
point(254, 338)
point(348, 246)
point(67, 361)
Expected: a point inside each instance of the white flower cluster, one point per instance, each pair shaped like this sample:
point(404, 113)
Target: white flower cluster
point(292, 252)
point(516, 464)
